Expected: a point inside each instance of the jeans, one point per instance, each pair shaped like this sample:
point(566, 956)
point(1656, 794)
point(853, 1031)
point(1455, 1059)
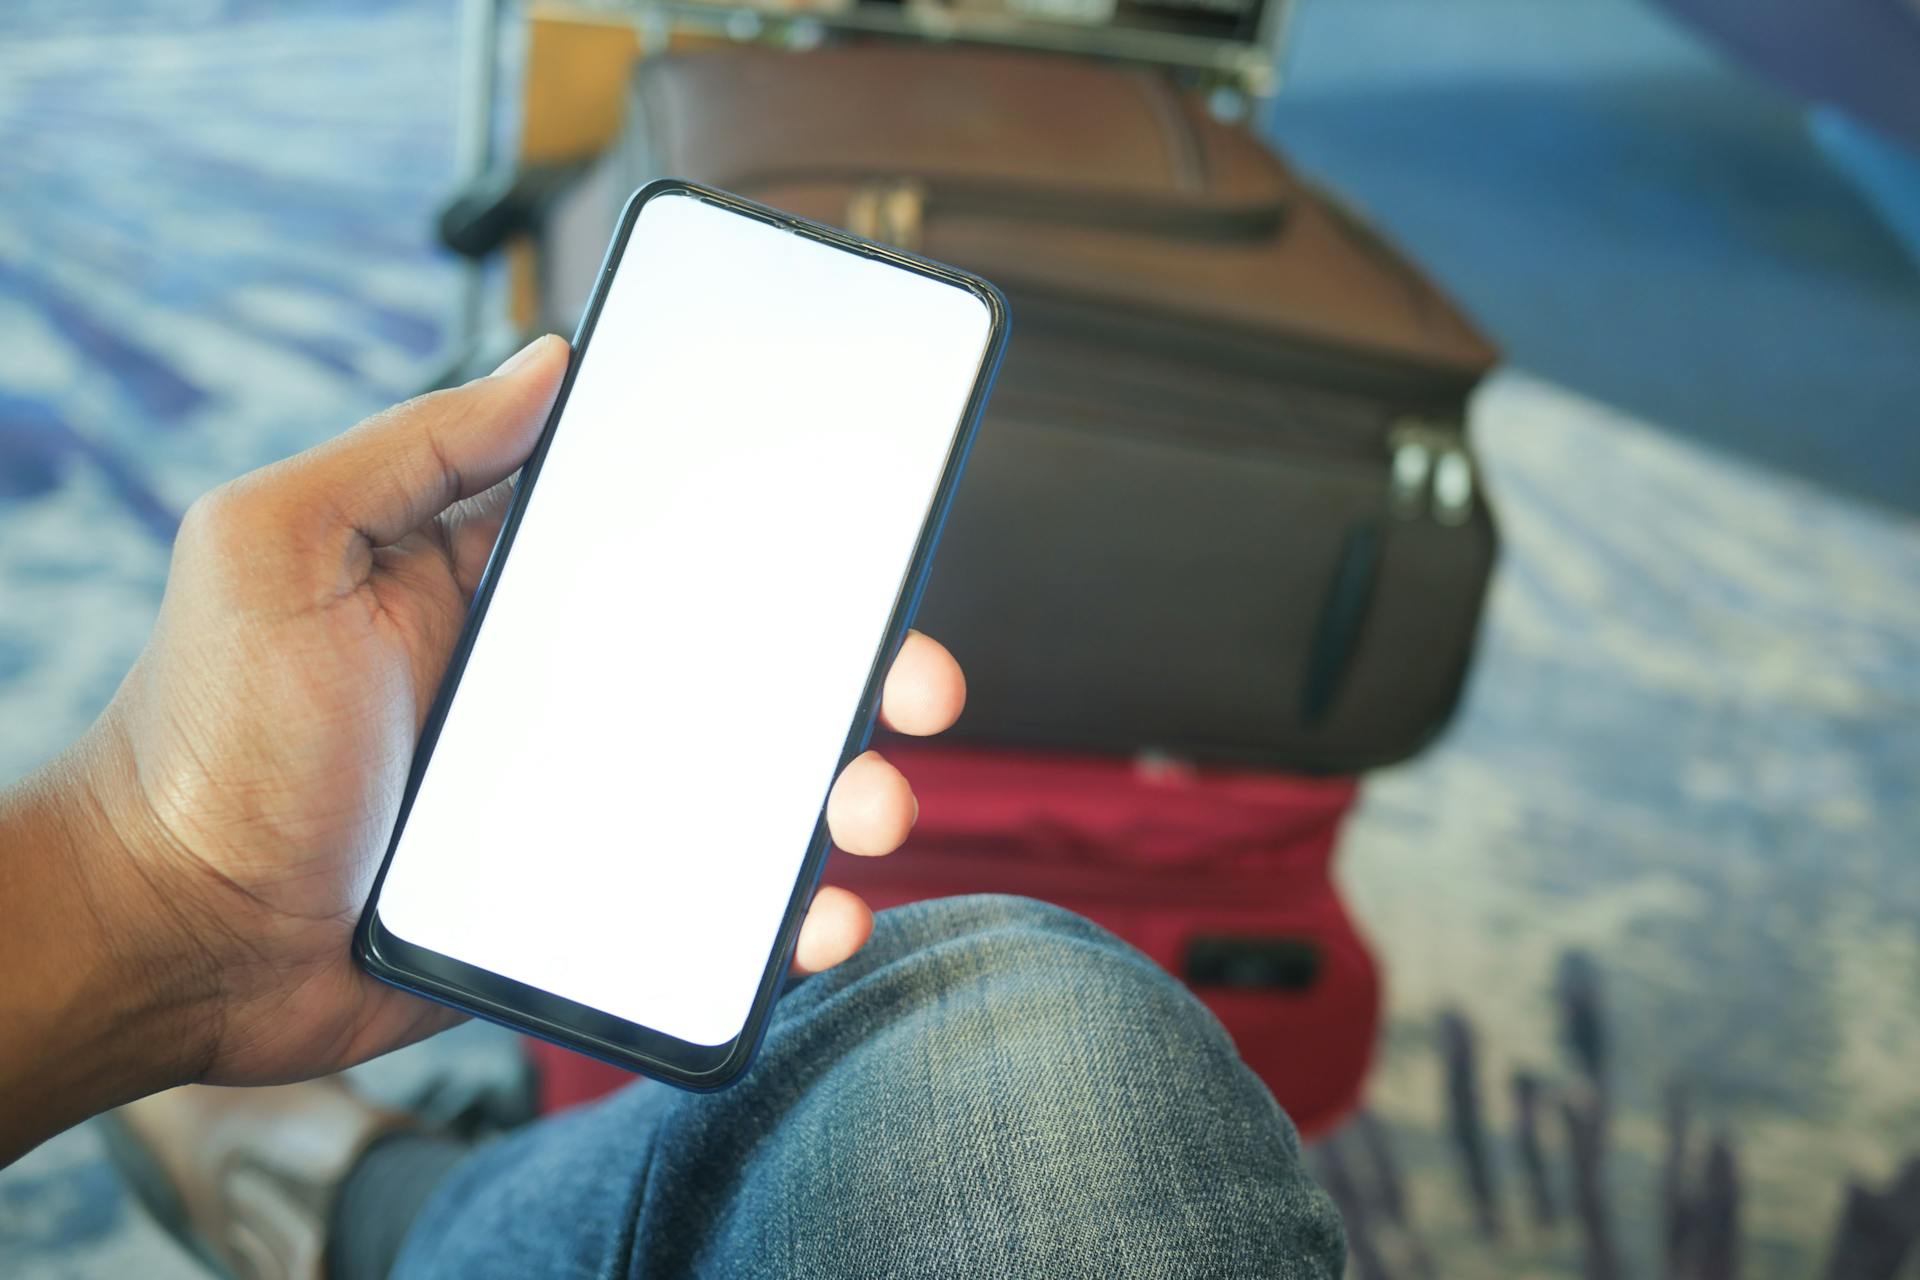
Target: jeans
point(992, 1087)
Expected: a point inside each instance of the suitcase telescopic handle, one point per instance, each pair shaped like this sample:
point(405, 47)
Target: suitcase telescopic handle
point(478, 218)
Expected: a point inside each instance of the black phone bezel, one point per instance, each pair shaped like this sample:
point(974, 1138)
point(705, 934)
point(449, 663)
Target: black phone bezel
point(576, 1026)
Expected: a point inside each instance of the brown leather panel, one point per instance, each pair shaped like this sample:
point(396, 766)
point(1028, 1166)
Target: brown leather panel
point(1322, 287)
point(803, 131)
point(884, 111)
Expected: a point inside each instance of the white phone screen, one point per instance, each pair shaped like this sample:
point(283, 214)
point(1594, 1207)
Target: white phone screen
point(633, 764)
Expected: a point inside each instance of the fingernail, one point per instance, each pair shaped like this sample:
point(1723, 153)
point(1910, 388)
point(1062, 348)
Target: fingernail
point(519, 358)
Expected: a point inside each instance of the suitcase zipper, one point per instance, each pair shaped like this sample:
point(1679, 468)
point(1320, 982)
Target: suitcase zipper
point(1288, 435)
point(1167, 335)
point(1429, 471)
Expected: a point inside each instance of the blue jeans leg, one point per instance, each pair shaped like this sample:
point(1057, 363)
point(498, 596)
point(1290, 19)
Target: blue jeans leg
point(993, 1087)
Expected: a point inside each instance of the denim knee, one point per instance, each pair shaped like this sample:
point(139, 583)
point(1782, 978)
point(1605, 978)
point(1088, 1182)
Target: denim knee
point(993, 1087)
point(1000, 1086)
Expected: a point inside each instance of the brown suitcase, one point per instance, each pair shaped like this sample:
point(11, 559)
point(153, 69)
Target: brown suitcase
point(1223, 504)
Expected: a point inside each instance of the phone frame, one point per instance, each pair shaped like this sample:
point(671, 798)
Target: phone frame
point(499, 999)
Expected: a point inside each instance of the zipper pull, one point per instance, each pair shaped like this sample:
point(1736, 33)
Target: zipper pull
point(1412, 464)
point(890, 210)
point(1453, 487)
point(1432, 472)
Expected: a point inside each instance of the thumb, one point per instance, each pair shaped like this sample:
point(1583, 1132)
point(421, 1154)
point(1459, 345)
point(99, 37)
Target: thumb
point(400, 468)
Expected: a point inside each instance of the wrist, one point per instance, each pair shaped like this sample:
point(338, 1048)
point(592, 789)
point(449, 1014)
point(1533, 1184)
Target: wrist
point(108, 994)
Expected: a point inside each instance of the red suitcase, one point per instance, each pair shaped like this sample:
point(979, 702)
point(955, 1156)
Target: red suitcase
point(1223, 876)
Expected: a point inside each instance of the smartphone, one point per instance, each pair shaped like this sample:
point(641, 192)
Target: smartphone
point(615, 819)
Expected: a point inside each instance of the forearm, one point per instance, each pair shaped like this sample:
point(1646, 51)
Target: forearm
point(94, 1010)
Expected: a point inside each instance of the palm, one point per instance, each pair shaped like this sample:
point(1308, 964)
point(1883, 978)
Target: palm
point(288, 828)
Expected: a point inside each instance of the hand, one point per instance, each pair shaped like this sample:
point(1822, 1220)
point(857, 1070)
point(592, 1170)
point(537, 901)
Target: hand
point(251, 765)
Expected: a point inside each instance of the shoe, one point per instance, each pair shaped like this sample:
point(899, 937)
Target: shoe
point(245, 1179)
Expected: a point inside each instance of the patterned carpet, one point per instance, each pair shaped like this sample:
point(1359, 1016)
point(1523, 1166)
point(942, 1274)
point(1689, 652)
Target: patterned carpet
point(1666, 857)
point(1674, 834)
point(213, 251)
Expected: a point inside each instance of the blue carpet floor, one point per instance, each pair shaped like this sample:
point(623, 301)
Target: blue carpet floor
point(1629, 216)
point(1668, 850)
